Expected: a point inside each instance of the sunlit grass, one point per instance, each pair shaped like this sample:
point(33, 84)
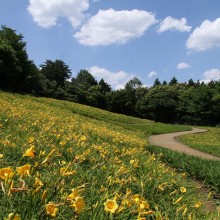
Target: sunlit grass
point(208, 142)
point(56, 163)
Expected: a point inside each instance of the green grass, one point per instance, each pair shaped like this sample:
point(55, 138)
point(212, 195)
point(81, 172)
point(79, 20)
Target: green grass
point(102, 156)
point(203, 170)
point(207, 142)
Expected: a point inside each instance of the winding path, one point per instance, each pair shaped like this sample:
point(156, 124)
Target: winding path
point(169, 141)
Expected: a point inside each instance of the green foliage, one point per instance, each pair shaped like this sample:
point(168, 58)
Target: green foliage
point(84, 80)
point(200, 169)
point(56, 71)
point(15, 68)
point(161, 102)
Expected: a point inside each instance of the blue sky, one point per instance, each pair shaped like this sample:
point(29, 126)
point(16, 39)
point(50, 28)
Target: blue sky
point(121, 39)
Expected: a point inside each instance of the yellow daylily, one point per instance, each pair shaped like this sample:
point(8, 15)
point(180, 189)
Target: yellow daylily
point(6, 172)
point(13, 216)
point(23, 170)
point(111, 206)
point(78, 205)
point(51, 209)
point(30, 152)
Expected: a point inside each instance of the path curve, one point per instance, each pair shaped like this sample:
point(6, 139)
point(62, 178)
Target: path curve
point(169, 141)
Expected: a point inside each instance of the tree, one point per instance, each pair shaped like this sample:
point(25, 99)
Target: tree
point(195, 104)
point(117, 101)
point(156, 82)
point(164, 83)
point(96, 97)
point(161, 103)
point(191, 82)
point(133, 84)
point(15, 67)
point(173, 81)
point(56, 71)
point(85, 80)
point(105, 87)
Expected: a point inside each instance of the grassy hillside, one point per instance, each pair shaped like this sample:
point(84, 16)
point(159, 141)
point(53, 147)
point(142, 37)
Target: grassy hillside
point(67, 161)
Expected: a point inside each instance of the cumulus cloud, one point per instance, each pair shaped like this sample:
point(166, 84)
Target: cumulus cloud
point(116, 79)
point(170, 23)
point(213, 74)
point(114, 27)
point(206, 36)
point(152, 74)
point(46, 12)
point(182, 66)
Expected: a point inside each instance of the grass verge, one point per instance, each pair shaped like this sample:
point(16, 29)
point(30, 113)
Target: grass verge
point(207, 142)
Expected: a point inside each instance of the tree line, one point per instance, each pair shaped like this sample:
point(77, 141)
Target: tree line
point(170, 102)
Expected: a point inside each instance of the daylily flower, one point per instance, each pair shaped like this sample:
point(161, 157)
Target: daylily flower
point(13, 216)
point(6, 173)
point(73, 195)
point(30, 152)
point(23, 170)
point(111, 206)
point(51, 209)
point(79, 204)
point(182, 189)
point(38, 182)
point(178, 200)
point(44, 195)
point(64, 172)
point(198, 204)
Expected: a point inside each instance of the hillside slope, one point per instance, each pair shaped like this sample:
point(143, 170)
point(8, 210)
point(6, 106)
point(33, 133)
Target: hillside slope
point(67, 161)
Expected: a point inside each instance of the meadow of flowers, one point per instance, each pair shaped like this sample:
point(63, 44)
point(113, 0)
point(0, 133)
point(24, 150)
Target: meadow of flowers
point(59, 164)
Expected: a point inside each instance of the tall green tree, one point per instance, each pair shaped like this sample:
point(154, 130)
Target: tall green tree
point(131, 99)
point(195, 104)
point(85, 79)
point(156, 82)
point(105, 87)
point(173, 81)
point(15, 67)
point(161, 102)
point(56, 71)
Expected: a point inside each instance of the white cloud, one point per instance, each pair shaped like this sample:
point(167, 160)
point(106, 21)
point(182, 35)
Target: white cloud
point(152, 74)
point(114, 27)
point(170, 23)
point(206, 36)
point(46, 12)
point(183, 65)
point(116, 79)
point(213, 74)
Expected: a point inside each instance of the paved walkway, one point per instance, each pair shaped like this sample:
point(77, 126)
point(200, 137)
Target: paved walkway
point(169, 141)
